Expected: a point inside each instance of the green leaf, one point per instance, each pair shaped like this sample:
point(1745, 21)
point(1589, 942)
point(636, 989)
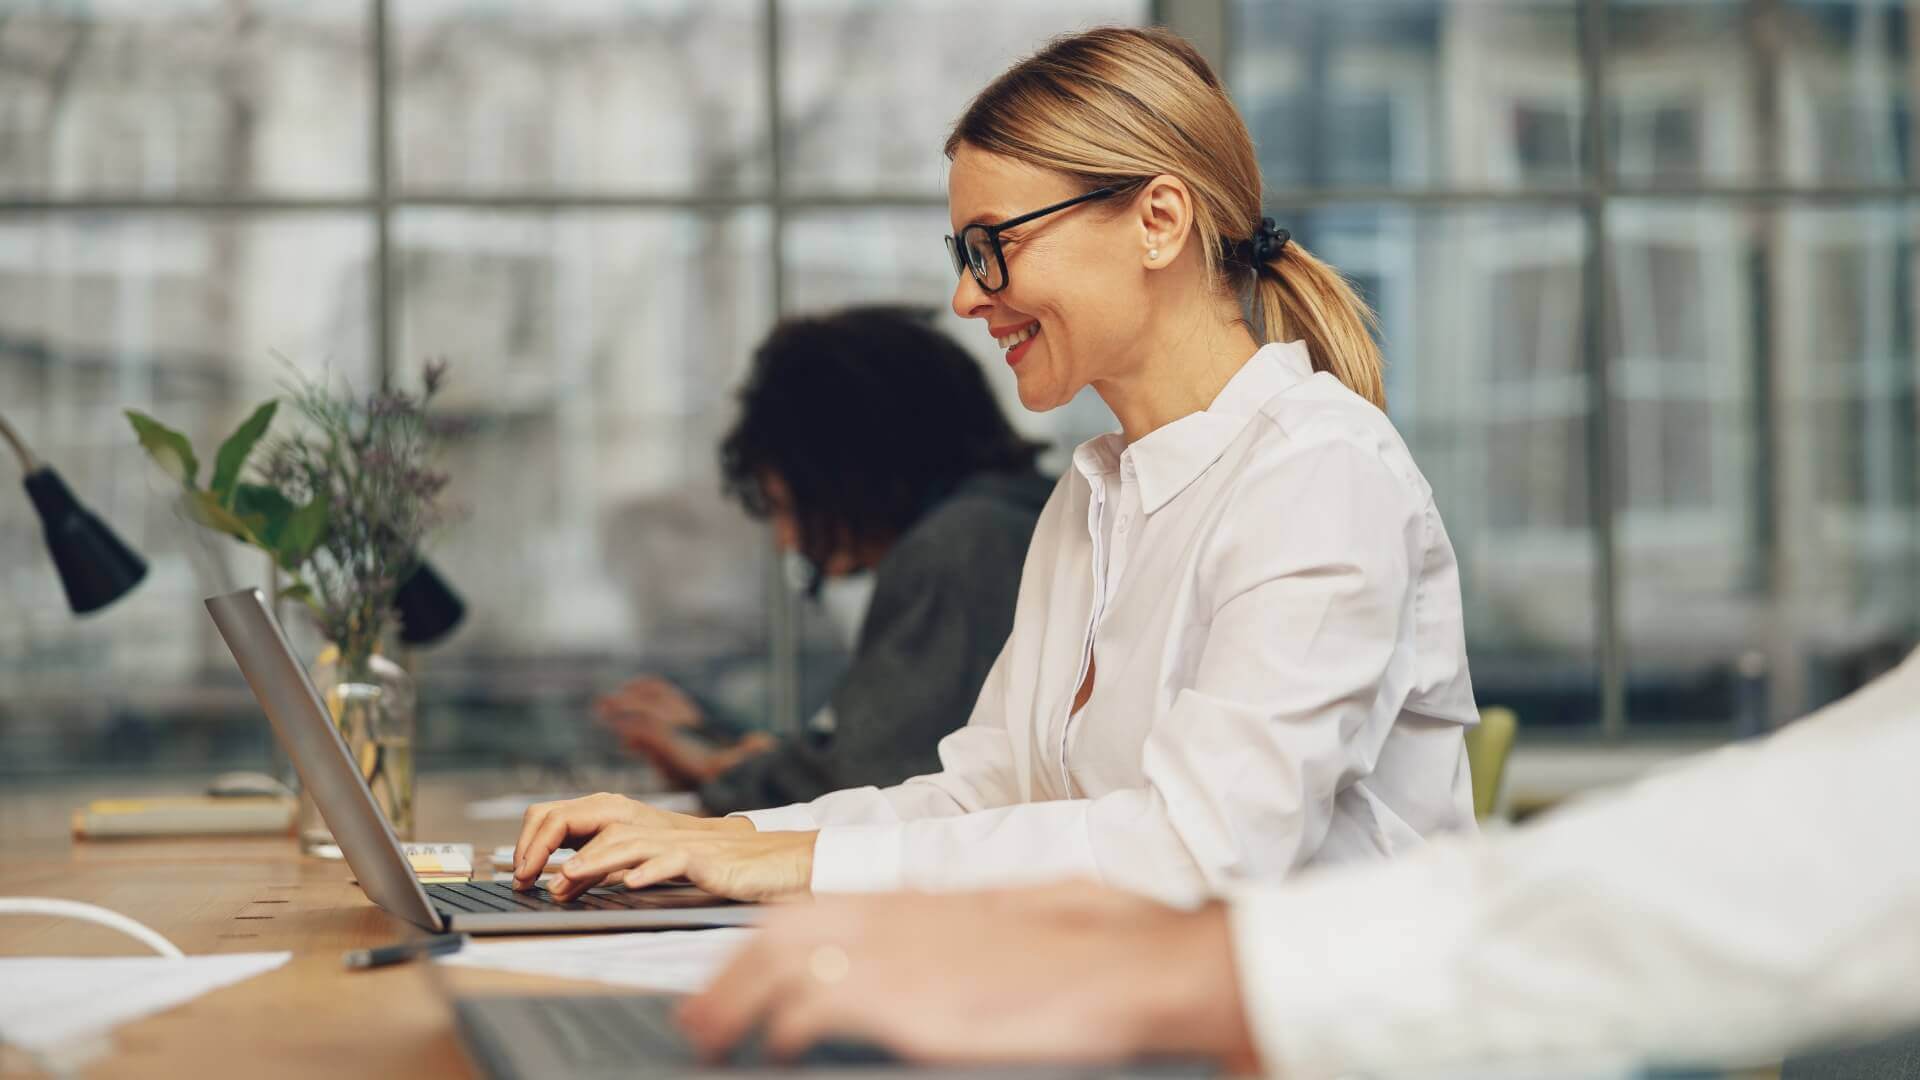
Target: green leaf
point(203, 508)
point(168, 448)
point(304, 531)
point(297, 593)
point(233, 453)
point(264, 510)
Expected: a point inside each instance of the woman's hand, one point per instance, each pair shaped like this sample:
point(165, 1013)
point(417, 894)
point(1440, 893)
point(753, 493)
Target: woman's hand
point(683, 761)
point(737, 864)
point(548, 827)
point(651, 717)
point(1071, 973)
point(651, 698)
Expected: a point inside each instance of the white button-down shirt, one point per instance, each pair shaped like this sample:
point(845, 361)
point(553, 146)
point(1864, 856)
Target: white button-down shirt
point(1272, 609)
point(1761, 899)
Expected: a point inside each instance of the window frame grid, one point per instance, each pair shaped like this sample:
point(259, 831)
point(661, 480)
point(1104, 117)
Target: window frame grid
point(1209, 24)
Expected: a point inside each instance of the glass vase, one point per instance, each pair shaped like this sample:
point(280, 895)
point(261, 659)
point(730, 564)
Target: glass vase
point(374, 709)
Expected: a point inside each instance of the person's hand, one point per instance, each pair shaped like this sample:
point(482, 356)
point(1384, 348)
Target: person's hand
point(650, 699)
point(739, 864)
point(549, 826)
point(678, 759)
point(683, 761)
point(752, 744)
point(1073, 973)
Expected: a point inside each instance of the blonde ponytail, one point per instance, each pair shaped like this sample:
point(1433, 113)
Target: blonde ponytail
point(1118, 105)
point(1298, 297)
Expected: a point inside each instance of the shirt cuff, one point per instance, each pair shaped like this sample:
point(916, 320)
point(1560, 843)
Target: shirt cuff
point(795, 818)
point(859, 858)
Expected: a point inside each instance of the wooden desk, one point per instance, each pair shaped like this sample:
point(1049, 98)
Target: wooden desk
point(309, 1018)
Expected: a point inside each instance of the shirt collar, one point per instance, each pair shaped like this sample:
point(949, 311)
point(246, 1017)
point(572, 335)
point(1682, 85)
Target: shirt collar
point(1174, 455)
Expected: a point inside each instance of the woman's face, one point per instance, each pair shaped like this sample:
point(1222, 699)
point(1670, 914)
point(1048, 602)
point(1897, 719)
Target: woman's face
point(1075, 299)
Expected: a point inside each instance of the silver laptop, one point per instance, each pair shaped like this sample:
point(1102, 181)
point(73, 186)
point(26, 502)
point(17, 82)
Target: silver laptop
point(301, 723)
point(629, 1036)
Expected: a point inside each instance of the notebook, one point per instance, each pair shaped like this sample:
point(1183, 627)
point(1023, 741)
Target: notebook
point(190, 815)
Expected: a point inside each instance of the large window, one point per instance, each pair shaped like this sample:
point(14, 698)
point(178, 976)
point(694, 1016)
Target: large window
point(593, 209)
point(1646, 273)
point(1646, 277)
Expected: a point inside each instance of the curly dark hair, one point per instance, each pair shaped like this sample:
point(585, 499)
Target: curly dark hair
point(869, 416)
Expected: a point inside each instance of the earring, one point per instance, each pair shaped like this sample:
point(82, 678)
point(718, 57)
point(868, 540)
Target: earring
point(1153, 254)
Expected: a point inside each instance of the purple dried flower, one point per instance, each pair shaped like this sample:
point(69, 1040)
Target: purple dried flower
point(370, 457)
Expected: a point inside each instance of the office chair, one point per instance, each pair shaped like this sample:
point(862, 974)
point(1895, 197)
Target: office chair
point(1488, 745)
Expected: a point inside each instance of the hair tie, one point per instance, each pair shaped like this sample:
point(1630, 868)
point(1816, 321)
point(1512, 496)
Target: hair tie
point(1269, 240)
point(1264, 246)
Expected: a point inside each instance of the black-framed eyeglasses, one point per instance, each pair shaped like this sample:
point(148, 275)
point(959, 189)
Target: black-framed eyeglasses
point(977, 248)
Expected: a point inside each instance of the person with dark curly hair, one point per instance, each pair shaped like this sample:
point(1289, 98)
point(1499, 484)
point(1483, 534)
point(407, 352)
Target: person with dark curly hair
point(869, 441)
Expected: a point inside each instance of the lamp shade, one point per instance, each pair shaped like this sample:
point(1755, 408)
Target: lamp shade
point(428, 608)
point(95, 566)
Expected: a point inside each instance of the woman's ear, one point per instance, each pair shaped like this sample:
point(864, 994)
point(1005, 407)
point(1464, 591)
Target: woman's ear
point(1164, 211)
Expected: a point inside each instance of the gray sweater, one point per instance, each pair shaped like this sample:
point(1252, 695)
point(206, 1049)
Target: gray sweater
point(942, 608)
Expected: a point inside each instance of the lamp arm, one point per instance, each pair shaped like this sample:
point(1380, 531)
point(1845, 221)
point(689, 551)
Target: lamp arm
point(28, 462)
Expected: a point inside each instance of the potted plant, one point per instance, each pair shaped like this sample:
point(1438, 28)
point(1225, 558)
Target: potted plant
point(343, 505)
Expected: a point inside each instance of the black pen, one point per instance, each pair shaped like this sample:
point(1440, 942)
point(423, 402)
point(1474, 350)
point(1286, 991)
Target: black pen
point(437, 945)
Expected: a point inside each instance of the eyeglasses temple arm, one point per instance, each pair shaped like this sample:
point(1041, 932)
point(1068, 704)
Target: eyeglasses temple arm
point(1097, 193)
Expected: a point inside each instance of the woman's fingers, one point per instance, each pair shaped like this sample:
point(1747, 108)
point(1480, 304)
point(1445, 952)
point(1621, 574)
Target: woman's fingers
point(530, 823)
point(547, 827)
point(740, 864)
point(652, 872)
point(611, 850)
point(621, 848)
point(549, 836)
point(676, 760)
point(644, 695)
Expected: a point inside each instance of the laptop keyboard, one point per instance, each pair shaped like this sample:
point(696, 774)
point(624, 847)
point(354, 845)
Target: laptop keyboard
point(608, 1032)
point(607, 1035)
point(495, 897)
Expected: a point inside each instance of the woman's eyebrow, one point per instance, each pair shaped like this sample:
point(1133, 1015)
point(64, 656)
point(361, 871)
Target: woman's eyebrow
point(991, 217)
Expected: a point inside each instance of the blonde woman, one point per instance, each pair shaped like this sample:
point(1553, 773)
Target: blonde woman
point(1237, 649)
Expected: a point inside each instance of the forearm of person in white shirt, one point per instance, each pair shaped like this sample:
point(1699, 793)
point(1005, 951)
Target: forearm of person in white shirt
point(1758, 900)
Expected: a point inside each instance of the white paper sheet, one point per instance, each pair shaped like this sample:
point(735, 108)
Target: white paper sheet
point(47, 1001)
point(675, 961)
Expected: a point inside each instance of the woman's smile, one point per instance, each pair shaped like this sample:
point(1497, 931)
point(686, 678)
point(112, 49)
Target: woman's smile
point(1016, 340)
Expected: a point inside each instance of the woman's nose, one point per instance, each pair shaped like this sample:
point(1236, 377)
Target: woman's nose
point(970, 301)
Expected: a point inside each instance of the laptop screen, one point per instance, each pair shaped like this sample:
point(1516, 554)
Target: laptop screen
point(307, 733)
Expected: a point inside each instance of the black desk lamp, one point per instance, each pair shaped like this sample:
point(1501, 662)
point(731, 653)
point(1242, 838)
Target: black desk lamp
point(95, 566)
point(429, 609)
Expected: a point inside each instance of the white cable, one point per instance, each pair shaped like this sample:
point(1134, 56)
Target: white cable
point(74, 909)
